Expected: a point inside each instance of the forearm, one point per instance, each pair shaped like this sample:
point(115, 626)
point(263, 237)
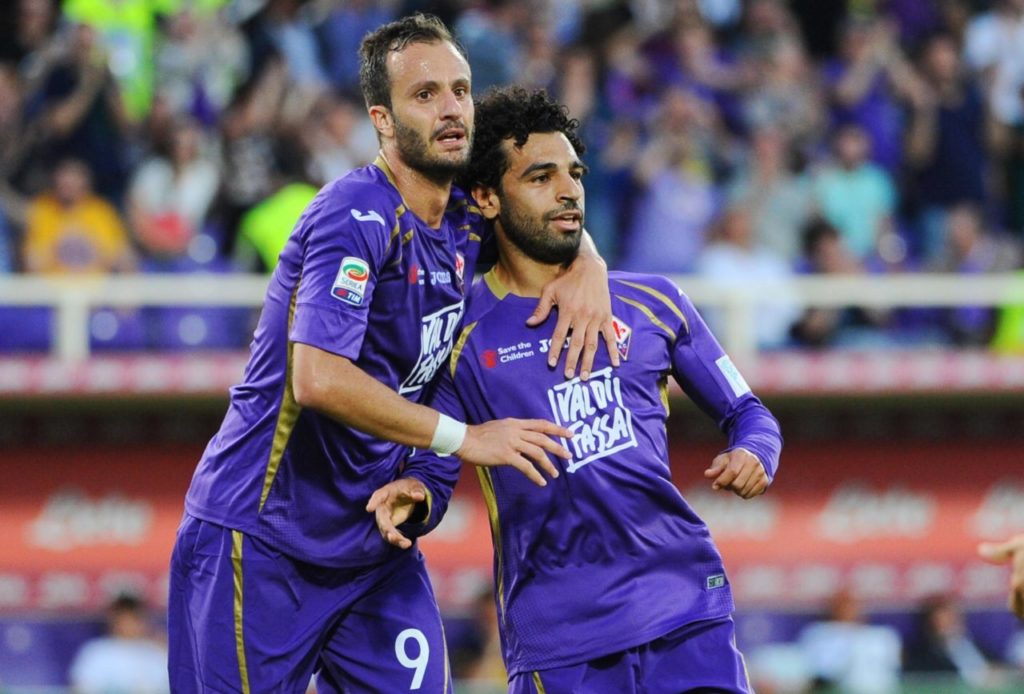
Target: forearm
point(336, 387)
point(852, 87)
point(921, 137)
point(66, 115)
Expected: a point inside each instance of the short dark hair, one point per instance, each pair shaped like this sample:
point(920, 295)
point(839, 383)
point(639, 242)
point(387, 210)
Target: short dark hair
point(393, 37)
point(816, 231)
point(126, 602)
point(512, 113)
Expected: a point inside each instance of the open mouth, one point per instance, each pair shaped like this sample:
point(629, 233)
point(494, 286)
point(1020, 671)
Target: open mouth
point(452, 136)
point(570, 219)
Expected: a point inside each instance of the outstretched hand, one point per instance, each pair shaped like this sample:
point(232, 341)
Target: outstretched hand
point(739, 471)
point(584, 305)
point(520, 443)
point(1009, 552)
point(393, 504)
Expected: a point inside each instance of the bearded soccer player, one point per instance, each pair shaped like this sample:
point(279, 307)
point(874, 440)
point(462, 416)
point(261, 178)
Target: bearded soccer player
point(606, 581)
point(277, 570)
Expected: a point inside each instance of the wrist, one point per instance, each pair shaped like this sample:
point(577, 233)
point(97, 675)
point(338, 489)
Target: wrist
point(449, 435)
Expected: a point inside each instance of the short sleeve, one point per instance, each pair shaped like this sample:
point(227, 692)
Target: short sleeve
point(344, 237)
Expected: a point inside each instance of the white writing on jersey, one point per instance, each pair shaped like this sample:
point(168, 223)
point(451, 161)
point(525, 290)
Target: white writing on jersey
point(593, 410)
point(436, 340)
point(371, 216)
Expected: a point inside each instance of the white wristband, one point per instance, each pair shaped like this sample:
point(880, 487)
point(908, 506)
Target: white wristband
point(448, 436)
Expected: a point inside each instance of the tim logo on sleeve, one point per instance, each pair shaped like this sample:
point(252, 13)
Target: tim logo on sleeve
point(350, 284)
point(595, 413)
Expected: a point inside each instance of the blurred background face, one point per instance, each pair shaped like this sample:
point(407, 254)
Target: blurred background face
point(71, 182)
point(127, 624)
point(184, 143)
point(34, 18)
point(769, 147)
point(946, 620)
point(852, 146)
point(83, 42)
point(856, 40)
point(845, 608)
point(942, 59)
point(736, 228)
point(10, 95)
point(964, 229)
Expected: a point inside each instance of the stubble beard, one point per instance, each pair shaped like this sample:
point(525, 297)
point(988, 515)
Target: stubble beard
point(415, 152)
point(533, 238)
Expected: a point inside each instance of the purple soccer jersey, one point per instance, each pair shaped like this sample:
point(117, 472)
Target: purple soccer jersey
point(364, 278)
point(609, 555)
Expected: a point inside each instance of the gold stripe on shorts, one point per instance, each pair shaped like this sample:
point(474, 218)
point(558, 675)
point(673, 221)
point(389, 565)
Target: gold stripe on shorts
point(236, 564)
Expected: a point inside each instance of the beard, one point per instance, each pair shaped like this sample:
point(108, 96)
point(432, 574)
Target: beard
point(415, 151)
point(533, 238)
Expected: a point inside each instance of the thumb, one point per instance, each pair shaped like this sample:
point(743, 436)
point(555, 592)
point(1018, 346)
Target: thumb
point(717, 464)
point(540, 313)
point(994, 551)
point(376, 499)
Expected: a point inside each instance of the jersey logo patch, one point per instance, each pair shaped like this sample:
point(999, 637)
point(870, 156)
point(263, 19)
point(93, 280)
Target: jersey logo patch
point(622, 335)
point(596, 414)
point(371, 216)
point(732, 375)
point(350, 284)
point(460, 265)
point(489, 358)
point(437, 332)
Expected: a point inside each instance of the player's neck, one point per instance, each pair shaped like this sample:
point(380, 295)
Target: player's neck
point(522, 275)
point(425, 197)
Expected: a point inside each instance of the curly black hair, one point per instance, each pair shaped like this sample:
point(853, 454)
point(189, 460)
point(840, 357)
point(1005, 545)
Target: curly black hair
point(512, 113)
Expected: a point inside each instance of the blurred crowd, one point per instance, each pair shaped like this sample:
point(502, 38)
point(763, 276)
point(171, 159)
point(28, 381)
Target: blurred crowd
point(848, 651)
point(727, 138)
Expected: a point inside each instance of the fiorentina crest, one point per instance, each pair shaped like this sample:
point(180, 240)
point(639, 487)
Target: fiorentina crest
point(622, 335)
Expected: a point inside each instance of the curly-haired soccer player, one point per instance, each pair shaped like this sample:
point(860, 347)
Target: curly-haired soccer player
point(606, 581)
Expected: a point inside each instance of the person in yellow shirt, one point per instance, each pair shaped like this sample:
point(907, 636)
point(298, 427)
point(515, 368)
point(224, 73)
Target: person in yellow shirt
point(71, 230)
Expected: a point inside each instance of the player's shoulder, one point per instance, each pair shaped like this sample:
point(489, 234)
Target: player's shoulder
point(654, 295)
point(462, 209)
point(645, 287)
point(481, 301)
point(366, 193)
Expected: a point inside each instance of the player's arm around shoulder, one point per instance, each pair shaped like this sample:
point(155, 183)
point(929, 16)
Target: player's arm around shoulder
point(584, 305)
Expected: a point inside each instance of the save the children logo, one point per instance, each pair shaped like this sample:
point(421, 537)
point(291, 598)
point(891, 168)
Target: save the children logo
point(436, 340)
point(593, 410)
point(350, 284)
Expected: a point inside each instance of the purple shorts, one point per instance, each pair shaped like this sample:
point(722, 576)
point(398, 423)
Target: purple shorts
point(699, 657)
point(242, 617)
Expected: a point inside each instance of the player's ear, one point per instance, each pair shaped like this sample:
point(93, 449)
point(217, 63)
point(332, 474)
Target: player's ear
point(487, 200)
point(382, 120)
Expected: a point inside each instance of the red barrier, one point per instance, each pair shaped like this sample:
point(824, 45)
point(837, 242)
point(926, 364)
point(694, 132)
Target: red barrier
point(892, 521)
